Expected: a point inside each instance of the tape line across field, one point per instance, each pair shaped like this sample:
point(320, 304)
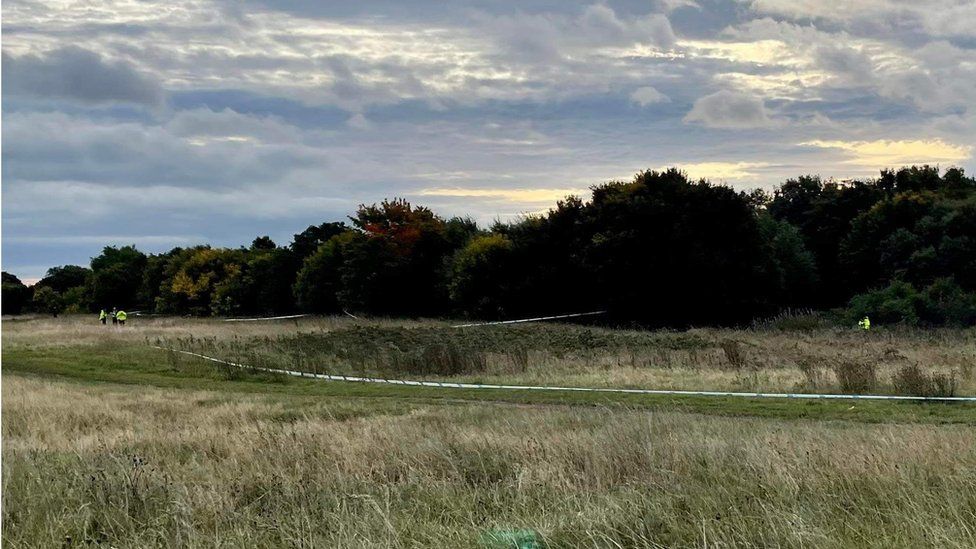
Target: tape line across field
point(454, 385)
point(286, 317)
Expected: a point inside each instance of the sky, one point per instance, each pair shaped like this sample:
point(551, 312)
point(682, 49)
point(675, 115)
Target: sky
point(180, 122)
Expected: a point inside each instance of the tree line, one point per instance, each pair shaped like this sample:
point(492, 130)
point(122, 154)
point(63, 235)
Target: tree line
point(659, 250)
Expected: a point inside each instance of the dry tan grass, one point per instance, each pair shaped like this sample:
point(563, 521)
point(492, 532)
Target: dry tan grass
point(74, 330)
point(769, 360)
point(142, 467)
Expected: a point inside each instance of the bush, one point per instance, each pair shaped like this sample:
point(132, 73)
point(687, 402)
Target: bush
point(947, 303)
point(46, 300)
point(814, 375)
point(480, 276)
point(943, 302)
point(793, 321)
point(912, 380)
point(856, 377)
point(733, 353)
point(15, 295)
point(437, 359)
point(899, 303)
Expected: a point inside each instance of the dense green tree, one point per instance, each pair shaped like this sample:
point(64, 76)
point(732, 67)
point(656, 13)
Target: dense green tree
point(823, 213)
point(61, 279)
point(788, 267)
point(76, 300)
point(319, 281)
point(117, 276)
point(47, 300)
point(915, 236)
point(72, 283)
point(153, 276)
point(195, 279)
point(16, 295)
point(943, 302)
point(263, 243)
point(262, 286)
point(667, 251)
point(308, 241)
point(399, 267)
point(548, 261)
point(657, 250)
point(483, 277)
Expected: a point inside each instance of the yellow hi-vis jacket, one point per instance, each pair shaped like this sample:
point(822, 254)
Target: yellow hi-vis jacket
point(865, 323)
point(120, 315)
point(102, 315)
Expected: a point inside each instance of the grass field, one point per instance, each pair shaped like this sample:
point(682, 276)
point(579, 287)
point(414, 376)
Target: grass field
point(108, 442)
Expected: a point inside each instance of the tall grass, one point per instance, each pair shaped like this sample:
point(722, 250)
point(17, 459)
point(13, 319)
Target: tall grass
point(820, 361)
point(140, 467)
point(758, 359)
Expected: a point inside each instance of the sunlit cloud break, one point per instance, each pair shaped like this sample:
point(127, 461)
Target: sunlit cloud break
point(521, 196)
point(887, 153)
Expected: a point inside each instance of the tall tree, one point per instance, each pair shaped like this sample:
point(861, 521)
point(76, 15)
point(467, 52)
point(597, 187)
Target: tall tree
point(62, 279)
point(308, 241)
point(16, 295)
point(667, 251)
point(117, 275)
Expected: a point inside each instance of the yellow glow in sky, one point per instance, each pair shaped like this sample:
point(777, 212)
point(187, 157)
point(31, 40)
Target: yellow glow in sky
point(720, 170)
point(508, 195)
point(889, 153)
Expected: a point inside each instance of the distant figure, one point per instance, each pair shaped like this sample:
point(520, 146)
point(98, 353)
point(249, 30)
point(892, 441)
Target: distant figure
point(114, 315)
point(121, 316)
point(865, 323)
point(103, 316)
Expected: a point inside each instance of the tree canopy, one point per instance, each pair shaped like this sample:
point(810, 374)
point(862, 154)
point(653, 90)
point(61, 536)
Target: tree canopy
point(658, 250)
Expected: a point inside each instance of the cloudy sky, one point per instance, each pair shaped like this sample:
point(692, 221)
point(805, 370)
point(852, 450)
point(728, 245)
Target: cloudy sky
point(190, 121)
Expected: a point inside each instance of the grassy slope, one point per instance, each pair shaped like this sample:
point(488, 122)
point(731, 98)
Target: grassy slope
point(97, 464)
point(110, 442)
point(135, 363)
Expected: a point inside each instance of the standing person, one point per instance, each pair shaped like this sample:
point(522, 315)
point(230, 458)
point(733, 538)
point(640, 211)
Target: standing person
point(103, 316)
point(121, 316)
point(114, 315)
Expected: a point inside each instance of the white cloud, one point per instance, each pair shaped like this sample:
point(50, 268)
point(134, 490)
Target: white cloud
point(647, 95)
point(730, 110)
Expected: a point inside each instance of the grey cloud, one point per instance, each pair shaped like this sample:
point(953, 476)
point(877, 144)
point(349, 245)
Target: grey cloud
point(205, 123)
point(909, 22)
point(78, 74)
point(726, 109)
point(59, 147)
point(551, 38)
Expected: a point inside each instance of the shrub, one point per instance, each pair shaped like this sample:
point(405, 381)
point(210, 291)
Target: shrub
point(46, 300)
point(942, 302)
point(899, 303)
point(792, 320)
point(733, 354)
point(439, 359)
point(912, 380)
point(947, 303)
point(856, 377)
point(813, 374)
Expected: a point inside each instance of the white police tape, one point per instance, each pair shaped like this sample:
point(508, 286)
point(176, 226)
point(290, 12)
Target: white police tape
point(673, 392)
point(263, 318)
point(537, 319)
